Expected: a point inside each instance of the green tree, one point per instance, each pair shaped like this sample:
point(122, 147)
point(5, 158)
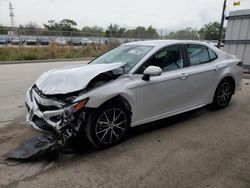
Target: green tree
point(151, 33)
point(184, 34)
point(141, 32)
point(30, 28)
point(131, 33)
point(115, 31)
point(68, 25)
point(211, 31)
point(64, 25)
point(92, 31)
point(3, 30)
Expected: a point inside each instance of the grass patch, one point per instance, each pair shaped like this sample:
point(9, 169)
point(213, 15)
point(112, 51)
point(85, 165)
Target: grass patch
point(50, 52)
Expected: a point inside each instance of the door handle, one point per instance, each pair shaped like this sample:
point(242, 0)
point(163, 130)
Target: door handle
point(183, 76)
point(217, 68)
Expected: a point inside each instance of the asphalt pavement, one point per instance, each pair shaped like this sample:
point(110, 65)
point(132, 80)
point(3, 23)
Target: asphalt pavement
point(202, 148)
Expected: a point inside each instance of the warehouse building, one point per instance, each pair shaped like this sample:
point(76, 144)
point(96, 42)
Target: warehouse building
point(237, 39)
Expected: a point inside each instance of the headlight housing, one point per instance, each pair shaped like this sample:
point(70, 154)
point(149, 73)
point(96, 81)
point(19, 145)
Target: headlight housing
point(76, 106)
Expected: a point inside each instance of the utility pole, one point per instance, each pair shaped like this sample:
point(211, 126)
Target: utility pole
point(0, 11)
point(222, 23)
point(12, 15)
point(110, 33)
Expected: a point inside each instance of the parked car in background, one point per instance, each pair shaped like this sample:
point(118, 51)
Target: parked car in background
point(213, 42)
point(75, 42)
point(4, 40)
point(43, 41)
point(31, 41)
point(86, 41)
point(61, 41)
point(131, 85)
point(17, 41)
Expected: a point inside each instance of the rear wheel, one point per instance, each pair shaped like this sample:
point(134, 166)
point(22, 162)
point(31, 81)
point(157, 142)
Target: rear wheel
point(108, 125)
point(223, 94)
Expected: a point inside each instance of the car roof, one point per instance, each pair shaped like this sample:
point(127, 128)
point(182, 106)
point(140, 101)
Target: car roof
point(162, 43)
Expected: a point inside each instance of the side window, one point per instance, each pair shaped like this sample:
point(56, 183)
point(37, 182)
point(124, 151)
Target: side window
point(212, 55)
point(198, 54)
point(169, 58)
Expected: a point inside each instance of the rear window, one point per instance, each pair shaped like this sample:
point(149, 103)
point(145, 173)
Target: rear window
point(199, 54)
point(212, 55)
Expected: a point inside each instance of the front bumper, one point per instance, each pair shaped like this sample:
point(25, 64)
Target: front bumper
point(46, 114)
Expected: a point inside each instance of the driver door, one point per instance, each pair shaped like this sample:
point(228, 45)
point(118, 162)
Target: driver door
point(165, 94)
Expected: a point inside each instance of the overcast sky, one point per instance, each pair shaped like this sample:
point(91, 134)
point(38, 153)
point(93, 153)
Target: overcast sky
point(162, 14)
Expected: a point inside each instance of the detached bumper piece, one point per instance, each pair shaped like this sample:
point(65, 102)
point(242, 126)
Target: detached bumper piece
point(50, 115)
point(34, 148)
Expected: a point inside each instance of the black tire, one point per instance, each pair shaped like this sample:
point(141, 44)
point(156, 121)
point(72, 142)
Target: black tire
point(223, 94)
point(107, 125)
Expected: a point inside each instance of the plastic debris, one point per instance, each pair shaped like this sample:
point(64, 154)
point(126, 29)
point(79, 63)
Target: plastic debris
point(34, 148)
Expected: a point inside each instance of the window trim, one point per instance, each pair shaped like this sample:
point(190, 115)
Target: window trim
point(184, 55)
point(216, 56)
point(210, 60)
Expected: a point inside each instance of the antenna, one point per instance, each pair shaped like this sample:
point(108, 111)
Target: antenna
point(12, 15)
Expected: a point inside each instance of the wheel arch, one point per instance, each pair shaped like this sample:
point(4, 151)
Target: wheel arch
point(119, 99)
point(231, 78)
point(92, 116)
point(226, 76)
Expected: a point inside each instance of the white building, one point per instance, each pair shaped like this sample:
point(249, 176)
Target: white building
point(237, 40)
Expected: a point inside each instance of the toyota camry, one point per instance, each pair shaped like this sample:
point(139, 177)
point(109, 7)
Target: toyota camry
point(131, 85)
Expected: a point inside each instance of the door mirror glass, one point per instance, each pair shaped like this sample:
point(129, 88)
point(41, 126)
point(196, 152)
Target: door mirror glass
point(151, 71)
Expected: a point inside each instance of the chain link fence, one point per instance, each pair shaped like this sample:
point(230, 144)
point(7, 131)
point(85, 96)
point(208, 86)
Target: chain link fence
point(26, 36)
point(31, 44)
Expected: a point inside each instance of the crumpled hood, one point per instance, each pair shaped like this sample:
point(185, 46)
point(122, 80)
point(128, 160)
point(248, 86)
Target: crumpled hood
point(70, 79)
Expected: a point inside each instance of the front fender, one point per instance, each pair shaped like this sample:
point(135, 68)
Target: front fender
point(100, 95)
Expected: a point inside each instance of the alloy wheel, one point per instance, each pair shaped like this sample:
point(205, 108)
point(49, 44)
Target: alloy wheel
point(224, 94)
point(111, 125)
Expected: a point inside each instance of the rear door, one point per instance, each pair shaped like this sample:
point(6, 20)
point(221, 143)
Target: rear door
point(202, 74)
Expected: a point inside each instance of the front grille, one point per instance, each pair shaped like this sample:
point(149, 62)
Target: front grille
point(42, 124)
point(55, 119)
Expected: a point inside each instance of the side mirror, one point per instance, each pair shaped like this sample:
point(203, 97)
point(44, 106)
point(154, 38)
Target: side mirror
point(151, 71)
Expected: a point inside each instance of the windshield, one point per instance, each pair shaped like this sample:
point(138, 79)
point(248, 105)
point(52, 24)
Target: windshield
point(130, 54)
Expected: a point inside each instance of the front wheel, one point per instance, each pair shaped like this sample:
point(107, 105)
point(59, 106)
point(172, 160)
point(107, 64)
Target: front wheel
point(223, 94)
point(108, 125)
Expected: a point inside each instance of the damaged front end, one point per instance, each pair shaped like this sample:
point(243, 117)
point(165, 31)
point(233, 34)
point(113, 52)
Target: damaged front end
point(52, 103)
point(55, 105)
point(58, 114)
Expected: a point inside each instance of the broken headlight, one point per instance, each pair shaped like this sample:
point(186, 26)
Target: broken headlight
point(75, 107)
point(72, 119)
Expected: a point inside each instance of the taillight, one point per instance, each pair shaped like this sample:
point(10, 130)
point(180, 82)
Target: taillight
point(240, 64)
